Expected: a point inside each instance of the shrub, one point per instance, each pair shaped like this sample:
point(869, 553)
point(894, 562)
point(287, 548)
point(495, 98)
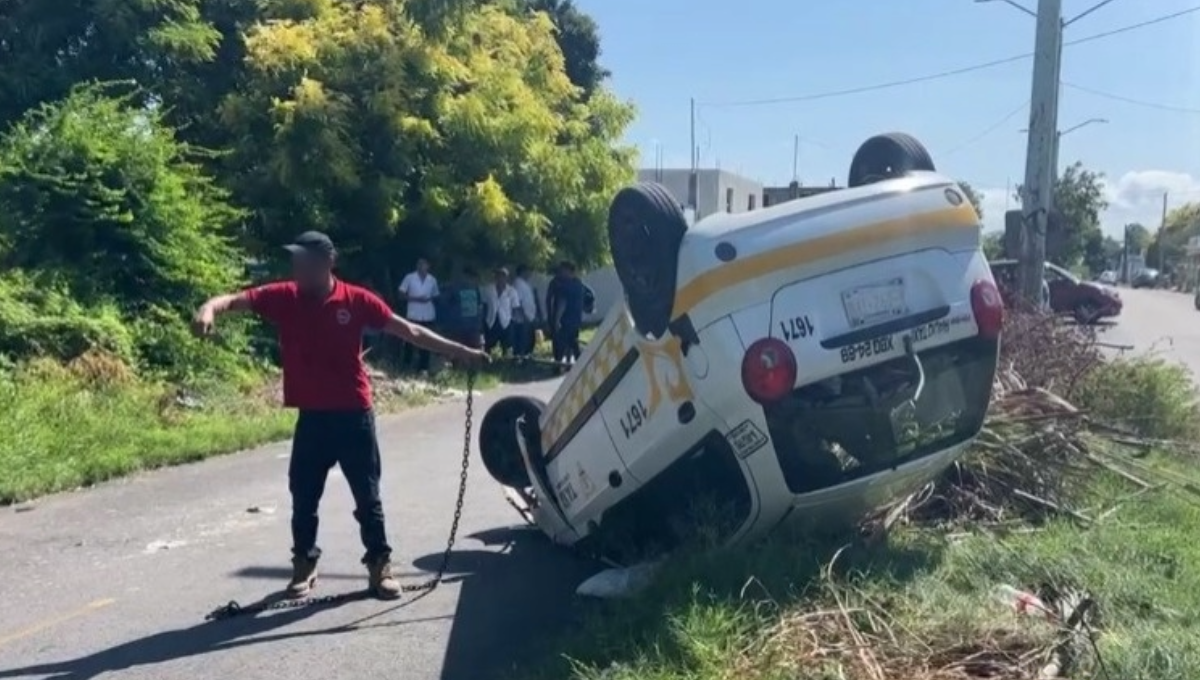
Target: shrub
point(1149, 395)
point(111, 234)
point(38, 317)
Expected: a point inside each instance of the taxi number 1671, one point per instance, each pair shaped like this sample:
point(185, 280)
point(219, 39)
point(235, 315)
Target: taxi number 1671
point(634, 418)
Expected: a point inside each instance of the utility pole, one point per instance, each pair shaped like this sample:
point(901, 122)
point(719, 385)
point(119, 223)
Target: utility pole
point(1038, 189)
point(1125, 257)
point(1162, 226)
point(693, 178)
point(796, 158)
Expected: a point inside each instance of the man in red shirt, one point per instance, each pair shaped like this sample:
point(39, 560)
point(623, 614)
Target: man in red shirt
point(320, 320)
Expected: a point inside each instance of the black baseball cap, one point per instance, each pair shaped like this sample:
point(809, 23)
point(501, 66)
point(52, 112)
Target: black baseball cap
point(312, 243)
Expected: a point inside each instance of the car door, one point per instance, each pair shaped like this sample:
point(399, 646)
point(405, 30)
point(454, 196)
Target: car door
point(1062, 291)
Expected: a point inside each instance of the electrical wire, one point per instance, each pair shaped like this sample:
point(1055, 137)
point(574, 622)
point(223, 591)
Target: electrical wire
point(941, 74)
point(1130, 100)
point(989, 130)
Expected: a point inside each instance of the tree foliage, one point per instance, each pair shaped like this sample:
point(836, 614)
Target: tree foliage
point(579, 39)
point(974, 197)
point(1079, 200)
point(1169, 244)
point(468, 131)
point(101, 206)
point(473, 145)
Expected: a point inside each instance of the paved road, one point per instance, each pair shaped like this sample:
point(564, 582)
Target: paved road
point(1159, 321)
point(115, 581)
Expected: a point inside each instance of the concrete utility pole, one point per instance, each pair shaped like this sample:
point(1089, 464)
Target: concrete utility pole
point(1037, 198)
point(1162, 227)
point(693, 178)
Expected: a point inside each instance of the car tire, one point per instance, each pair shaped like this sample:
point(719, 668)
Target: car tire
point(498, 445)
point(1086, 314)
point(888, 156)
point(645, 229)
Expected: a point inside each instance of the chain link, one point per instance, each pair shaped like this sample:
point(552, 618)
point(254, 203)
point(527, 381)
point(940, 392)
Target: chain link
point(234, 609)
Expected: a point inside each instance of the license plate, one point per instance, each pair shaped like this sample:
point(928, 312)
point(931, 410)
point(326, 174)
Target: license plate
point(871, 304)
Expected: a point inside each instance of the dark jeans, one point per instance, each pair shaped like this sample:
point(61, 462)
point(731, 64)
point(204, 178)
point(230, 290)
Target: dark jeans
point(346, 438)
point(566, 341)
point(421, 354)
point(499, 335)
point(522, 338)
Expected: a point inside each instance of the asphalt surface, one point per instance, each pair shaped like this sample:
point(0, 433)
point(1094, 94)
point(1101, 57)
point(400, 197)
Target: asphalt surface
point(1160, 322)
point(115, 581)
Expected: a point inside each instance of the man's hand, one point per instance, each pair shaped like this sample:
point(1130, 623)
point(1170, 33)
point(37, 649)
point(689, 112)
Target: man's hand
point(471, 357)
point(204, 321)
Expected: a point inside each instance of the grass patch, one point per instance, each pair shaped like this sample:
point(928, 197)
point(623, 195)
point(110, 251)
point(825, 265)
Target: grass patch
point(921, 607)
point(64, 432)
point(1111, 522)
point(78, 425)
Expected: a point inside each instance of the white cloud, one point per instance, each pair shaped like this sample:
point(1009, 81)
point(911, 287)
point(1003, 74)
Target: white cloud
point(1138, 197)
point(1135, 196)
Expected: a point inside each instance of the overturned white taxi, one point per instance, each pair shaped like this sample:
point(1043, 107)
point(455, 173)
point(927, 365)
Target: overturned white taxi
point(815, 359)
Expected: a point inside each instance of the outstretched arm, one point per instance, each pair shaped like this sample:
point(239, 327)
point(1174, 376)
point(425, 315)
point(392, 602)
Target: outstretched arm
point(426, 339)
point(206, 316)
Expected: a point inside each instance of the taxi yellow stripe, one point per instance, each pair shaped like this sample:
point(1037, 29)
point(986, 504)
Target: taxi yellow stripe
point(739, 271)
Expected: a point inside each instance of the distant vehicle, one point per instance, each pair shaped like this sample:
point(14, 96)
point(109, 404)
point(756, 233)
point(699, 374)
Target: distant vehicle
point(812, 359)
point(1108, 278)
point(1147, 278)
point(1087, 301)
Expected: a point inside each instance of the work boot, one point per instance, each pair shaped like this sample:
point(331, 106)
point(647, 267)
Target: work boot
point(381, 583)
point(304, 577)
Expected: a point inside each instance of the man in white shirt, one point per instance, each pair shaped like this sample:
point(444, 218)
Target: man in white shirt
point(501, 300)
point(419, 290)
point(525, 317)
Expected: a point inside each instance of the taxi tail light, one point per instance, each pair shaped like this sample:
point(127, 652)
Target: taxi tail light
point(988, 308)
point(768, 370)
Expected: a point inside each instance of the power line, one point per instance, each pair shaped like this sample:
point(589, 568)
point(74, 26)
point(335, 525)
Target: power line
point(989, 130)
point(1130, 100)
point(942, 74)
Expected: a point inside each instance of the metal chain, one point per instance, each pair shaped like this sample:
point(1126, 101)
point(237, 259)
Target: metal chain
point(234, 609)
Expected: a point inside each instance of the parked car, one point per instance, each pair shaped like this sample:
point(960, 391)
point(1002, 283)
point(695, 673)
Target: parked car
point(811, 359)
point(1147, 278)
point(1087, 301)
point(1108, 278)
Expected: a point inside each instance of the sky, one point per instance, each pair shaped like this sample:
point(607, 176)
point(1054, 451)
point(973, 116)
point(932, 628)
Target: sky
point(730, 57)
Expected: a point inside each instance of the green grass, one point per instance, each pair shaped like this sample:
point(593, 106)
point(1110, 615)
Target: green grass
point(770, 613)
point(64, 433)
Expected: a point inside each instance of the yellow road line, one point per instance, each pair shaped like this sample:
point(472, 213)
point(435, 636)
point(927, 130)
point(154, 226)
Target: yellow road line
point(50, 623)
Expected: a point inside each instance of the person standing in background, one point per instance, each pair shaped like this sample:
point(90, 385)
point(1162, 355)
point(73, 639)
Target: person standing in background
point(501, 300)
point(461, 313)
point(419, 290)
point(553, 312)
point(525, 317)
point(570, 322)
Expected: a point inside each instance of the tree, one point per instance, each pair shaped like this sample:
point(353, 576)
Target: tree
point(1139, 238)
point(470, 144)
point(993, 245)
point(578, 37)
point(1169, 244)
point(974, 197)
point(1078, 202)
point(101, 204)
point(49, 46)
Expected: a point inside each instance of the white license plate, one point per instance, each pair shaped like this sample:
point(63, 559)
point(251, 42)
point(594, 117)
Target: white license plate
point(871, 304)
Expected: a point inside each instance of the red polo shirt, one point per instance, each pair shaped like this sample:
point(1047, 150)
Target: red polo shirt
point(321, 342)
